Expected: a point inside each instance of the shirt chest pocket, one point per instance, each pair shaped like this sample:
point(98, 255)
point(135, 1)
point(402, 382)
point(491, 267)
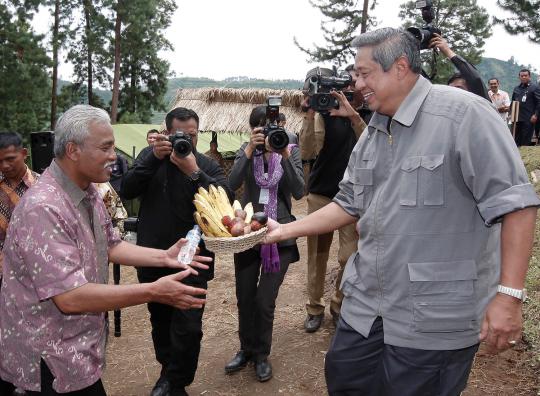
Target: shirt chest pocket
point(422, 181)
point(362, 183)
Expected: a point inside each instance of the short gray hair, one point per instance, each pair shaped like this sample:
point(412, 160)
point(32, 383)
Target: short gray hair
point(389, 44)
point(74, 126)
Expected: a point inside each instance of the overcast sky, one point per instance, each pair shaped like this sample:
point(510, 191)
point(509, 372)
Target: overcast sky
point(254, 38)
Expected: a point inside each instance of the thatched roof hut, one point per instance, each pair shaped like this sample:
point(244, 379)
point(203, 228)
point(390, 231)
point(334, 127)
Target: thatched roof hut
point(227, 109)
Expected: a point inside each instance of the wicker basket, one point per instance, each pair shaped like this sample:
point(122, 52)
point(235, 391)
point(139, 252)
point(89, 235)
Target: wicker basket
point(231, 245)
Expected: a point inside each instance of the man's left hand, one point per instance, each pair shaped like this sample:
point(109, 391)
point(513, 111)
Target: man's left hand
point(534, 118)
point(187, 165)
point(502, 323)
point(171, 257)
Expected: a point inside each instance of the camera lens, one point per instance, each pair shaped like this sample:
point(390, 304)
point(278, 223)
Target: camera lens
point(278, 139)
point(323, 100)
point(182, 147)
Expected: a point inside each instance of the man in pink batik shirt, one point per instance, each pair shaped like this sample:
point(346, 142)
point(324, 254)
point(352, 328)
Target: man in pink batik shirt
point(59, 242)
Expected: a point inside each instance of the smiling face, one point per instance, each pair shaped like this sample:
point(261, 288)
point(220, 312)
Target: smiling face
point(493, 85)
point(96, 156)
point(377, 87)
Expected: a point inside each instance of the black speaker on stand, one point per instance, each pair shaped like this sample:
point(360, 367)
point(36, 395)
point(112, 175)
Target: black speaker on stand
point(42, 150)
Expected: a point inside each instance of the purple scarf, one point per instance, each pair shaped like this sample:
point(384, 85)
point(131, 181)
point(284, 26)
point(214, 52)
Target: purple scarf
point(269, 253)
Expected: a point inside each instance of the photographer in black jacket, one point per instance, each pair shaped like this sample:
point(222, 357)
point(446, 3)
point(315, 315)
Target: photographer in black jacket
point(166, 183)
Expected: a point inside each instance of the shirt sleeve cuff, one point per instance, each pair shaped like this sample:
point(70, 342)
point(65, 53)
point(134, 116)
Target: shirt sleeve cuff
point(343, 202)
point(507, 201)
point(59, 286)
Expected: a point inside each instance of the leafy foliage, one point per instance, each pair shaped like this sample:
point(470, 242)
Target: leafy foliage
point(464, 24)
point(342, 25)
point(526, 18)
point(24, 83)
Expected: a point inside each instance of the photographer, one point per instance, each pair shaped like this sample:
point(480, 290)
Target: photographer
point(468, 77)
point(330, 137)
point(259, 271)
point(166, 181)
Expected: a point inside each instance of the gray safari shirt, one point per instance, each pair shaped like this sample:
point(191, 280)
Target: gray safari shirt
point(429, 187)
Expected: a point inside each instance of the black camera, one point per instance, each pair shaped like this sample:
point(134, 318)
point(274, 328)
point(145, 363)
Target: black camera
point(425, 33)
point(182, 144)
point(320, 98)
point(277, 137)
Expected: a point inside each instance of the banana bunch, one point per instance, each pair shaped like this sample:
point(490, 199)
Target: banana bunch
point(211, 206)
point(216, 216)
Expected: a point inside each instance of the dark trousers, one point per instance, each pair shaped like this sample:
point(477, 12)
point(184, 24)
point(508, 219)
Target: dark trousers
point(47, 390)
point(176, 335)
point(356, 365)
point(524, 133)
point(6, 388)
point(256, 293)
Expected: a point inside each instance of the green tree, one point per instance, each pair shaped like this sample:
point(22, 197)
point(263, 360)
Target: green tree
point(526, 18)
point(143, 73)
point(88, 44)
point(24, 83)
point(344, 18)
point(464, 24)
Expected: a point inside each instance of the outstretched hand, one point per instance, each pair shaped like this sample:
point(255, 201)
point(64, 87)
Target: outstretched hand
point(274, 233)
point(171, 258)
point(169, 290)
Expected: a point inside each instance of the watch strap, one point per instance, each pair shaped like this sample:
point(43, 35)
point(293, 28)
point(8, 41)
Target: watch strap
point(520, 294)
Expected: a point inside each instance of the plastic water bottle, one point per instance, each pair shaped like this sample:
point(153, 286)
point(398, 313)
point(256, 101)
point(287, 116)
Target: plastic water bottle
point(185, 256)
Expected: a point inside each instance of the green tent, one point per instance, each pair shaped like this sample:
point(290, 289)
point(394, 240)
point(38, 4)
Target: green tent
point(130, 136)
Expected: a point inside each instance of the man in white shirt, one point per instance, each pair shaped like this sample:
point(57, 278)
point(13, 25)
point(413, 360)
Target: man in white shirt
point(500, 99)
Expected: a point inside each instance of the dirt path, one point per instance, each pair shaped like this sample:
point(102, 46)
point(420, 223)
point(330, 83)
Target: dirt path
point(297, 357)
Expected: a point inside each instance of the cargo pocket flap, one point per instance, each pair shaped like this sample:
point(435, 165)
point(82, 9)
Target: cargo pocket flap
point(431, 162)
point(410, 164)
point(442, 271)
point(363, 176)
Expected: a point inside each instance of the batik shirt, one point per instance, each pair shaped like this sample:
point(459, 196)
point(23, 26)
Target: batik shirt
point(9, 198)
point(55, 243)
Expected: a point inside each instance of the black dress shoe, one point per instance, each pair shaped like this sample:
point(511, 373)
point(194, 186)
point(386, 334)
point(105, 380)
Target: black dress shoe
point(313, 322)
point(178, 392)
point(238, 362)
point(263, 370)
point(161, 388)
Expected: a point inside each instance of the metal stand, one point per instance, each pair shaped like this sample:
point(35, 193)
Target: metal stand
point(117, 312)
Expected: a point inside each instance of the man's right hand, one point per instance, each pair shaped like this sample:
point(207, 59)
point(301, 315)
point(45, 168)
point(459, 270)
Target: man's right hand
point(169, 290)
point(162, 147)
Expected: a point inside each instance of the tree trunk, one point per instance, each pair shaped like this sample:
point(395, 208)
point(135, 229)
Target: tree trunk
point(55, 45)
point(363, 26)
point(88, 33)
point(116, 78)
point(133, 86)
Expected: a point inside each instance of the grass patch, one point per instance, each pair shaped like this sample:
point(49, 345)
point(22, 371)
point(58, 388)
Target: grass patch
point(531, 309)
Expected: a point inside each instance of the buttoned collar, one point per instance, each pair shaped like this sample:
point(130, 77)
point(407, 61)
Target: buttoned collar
point(75, 193)
point(408, 109)
point(28, 179)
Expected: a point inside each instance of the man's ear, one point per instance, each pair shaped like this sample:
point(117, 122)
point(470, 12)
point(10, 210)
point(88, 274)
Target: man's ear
point(402, 67)
point(24, 152)
point(73, 151)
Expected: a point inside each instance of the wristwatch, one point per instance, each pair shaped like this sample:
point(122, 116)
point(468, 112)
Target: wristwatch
point(516, 293)
point(195, 175)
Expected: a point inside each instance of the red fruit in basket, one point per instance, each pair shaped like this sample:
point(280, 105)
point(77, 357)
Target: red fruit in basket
point(240, 213)
point(226, 221)
point(261, 217)
point(255, 225)
point(237, 229)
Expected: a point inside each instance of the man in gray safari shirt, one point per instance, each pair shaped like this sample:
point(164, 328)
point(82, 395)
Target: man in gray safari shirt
point(446, 217)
